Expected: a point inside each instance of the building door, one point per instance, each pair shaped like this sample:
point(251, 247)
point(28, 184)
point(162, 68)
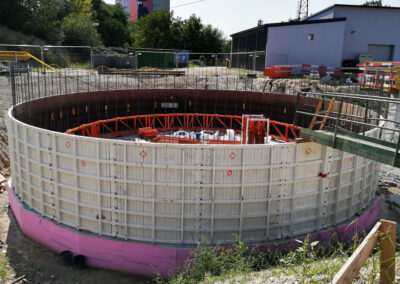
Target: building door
point(381, 52)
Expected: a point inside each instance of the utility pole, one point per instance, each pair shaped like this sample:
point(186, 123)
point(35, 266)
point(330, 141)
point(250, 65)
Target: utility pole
point(302, 10)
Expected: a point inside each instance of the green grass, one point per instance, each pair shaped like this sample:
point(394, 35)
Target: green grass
point(194, 63)
point(237, 263)
point(3, 268)
point(86, 65)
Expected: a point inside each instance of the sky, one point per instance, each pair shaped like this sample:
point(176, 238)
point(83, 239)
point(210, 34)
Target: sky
point(232, 16)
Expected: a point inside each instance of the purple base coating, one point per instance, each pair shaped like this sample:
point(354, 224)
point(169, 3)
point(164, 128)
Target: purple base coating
point(128, 256)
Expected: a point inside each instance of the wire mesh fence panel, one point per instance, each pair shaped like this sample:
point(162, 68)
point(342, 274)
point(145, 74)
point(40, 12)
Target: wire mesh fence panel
point(223, 60)
point(68, 56)
point(35, 50)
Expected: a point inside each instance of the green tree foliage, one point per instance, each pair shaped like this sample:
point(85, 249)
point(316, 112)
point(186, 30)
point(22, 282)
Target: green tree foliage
point(373, 3)
point(83, 7)
point(157, 30)
point(41, 18)
point(113, 24)
point(162, 30)
point(13, 14)
point(227, 47)
point(93, 22)
point(79, 30)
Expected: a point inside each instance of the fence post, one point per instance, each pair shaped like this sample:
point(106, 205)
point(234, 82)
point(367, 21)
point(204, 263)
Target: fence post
point(41, 53)
point(12, 76)
point(388, 251)
point(91, 57)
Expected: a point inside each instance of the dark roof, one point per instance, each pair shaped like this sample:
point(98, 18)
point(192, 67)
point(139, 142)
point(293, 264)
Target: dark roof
point(350, 6)
point(293, 23)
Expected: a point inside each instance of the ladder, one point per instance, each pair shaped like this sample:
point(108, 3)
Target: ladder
point(319, 112)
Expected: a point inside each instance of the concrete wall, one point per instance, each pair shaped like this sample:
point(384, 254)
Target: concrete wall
point(290, 44)
point(177, 194)
point(369, 26)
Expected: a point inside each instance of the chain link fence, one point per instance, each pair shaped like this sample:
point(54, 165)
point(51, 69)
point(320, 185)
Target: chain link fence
point(192, 63)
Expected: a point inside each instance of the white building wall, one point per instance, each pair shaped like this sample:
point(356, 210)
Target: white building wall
point(291, 45)
point(328, 14)
point(369, 26)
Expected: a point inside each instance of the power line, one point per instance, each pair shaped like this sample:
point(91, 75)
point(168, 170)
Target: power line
point(190, 3)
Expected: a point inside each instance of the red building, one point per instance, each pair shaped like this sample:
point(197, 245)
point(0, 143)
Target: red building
point(139, 8)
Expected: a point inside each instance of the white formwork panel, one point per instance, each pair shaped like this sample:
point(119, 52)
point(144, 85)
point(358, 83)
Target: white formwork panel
point(162, 193)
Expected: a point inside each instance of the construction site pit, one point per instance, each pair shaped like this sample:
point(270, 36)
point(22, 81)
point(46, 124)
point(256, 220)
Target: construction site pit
point(133, 179)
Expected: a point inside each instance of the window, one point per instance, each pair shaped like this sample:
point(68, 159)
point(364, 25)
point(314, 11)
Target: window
point(310, 36)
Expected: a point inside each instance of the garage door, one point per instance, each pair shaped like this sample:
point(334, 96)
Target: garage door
point(381, 52)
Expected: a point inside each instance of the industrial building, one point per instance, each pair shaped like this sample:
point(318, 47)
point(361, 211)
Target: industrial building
point(139, 8)
point(337, 33)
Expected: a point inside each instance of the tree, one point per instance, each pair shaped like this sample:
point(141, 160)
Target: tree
point(373, 3)
point(46, 18)
point(192, 34)
point(82, 7)
point(41, 18)
point(227, 47)
point(213, 39)
point(156, 30)
point(13, 14)
point(162, 30)
point(79, 30)
point(113, 24)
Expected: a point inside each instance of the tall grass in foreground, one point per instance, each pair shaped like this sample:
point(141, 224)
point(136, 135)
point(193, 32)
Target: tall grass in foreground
point(311, 261)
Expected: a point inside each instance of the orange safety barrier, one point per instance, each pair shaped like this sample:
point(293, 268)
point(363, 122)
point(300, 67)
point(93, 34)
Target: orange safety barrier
point(147, 132)
point(278, 72)
point(175, 140)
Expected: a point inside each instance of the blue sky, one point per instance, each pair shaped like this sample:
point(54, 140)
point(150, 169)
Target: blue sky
point(235, 15)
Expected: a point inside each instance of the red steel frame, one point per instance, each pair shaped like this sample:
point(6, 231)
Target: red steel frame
point(121, 126)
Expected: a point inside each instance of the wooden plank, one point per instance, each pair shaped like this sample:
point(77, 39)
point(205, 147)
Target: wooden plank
point(388, 250)
point(358, 258)
point(331, 104)
point(316, 111)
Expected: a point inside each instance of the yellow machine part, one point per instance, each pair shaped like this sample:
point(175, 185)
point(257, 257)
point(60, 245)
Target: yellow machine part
point(21, 55)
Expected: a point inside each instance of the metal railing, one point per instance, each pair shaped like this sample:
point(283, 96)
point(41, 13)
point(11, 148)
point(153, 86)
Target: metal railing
point(348, 124)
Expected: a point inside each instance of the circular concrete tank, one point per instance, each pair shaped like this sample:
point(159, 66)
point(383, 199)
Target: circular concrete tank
point(172, 195)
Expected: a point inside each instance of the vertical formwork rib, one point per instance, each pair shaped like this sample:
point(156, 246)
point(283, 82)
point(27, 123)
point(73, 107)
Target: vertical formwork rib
point(241, 193)
point(269, 192)
point(76, 183)
point(99, 193)
point(125, 193)
point(153, 199)
point(296, 158)
point(28, 164)
point(353, 187)
point(55, 179)
point(213, 194)
point(339, 187)
point(182, 195)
